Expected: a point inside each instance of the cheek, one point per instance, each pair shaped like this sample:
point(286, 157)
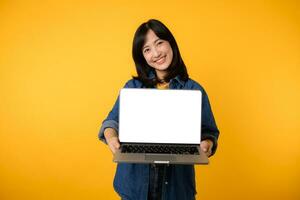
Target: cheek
point(169, 50)
point(147, 58)
point(171, 54)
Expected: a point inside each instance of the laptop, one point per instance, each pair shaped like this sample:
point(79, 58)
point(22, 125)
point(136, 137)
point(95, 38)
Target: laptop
point(160, 126)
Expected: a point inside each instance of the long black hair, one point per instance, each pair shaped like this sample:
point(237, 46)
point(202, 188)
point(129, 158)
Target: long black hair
point(144, 71)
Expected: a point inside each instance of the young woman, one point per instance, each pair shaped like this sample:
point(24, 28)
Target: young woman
point(159, 65)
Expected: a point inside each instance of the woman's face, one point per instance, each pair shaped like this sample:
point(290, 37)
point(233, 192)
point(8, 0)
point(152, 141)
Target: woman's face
point(157, 53)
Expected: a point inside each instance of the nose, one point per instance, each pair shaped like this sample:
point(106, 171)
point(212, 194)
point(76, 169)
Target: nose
point(156, 53)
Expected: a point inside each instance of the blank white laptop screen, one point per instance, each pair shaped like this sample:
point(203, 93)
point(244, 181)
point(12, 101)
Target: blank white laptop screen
point(160, 116)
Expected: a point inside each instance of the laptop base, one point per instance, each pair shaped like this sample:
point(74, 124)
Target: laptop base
point(144, 158)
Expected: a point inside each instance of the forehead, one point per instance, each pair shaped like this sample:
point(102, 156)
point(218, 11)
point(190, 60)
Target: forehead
point(150, 38)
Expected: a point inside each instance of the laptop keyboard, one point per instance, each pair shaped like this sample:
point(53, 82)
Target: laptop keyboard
point(159, 149)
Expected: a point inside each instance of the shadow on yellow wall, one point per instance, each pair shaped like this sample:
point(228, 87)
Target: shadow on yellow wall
point(62, 64)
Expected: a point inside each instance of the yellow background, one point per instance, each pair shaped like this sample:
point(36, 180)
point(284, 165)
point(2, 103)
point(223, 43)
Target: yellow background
point(63, 62)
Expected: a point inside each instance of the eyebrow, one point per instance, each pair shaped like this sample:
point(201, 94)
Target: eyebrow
point(154, 42)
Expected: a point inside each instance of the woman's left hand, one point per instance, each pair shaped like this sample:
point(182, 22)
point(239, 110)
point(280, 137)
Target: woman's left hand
point(206, 146)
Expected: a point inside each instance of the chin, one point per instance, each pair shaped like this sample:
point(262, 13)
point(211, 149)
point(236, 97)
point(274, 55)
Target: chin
point(163, 67)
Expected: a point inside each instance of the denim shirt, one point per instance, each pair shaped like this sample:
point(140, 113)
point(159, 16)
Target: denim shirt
point(132, 180)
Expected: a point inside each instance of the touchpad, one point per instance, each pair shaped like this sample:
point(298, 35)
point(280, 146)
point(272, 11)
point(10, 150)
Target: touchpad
point(160, 157)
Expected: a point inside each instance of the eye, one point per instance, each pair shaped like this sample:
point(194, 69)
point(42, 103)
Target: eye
point(160, 42)
point(146, 50)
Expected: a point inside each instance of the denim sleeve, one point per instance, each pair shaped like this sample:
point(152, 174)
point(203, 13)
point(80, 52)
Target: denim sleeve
point(209, 128)
point(112, 120)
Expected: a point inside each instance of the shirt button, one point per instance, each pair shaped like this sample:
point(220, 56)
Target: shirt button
point(166, 182)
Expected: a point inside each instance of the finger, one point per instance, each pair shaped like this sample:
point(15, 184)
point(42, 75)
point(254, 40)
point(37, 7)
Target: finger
point(112, 148)
point(208, 153)
point(117, 145)
point(204, 146)
point(113, 142)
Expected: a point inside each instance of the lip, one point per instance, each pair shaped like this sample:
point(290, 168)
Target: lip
point(161, 60)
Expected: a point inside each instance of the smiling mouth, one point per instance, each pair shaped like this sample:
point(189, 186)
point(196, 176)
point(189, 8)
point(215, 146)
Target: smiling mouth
point(161, 60)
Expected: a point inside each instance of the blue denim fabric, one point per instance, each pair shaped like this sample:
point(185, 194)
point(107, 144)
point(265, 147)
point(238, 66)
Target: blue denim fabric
point(156, 176)
point(132, 180)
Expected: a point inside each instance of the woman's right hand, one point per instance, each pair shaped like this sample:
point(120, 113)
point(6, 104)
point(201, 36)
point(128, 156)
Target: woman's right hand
point(112, 139)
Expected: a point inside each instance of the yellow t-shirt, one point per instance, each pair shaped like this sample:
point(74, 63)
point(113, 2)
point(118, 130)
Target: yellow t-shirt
point(162, 86)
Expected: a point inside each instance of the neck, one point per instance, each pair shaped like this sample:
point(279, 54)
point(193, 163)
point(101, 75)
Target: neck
point(160, 75)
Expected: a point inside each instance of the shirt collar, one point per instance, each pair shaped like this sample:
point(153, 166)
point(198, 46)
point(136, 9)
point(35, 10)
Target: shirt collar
point(177, 78)
point(151, 75)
